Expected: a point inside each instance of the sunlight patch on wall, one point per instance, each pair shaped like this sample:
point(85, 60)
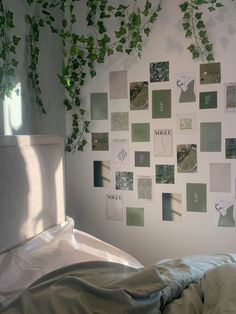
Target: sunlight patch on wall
point(13, 111)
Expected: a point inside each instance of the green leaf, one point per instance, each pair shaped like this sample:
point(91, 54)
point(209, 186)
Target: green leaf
point(200, 24)
point(184, 6)
point(14, 62)
point(195, 54)
point(119, 48)
point(186, 26)
point(92, 73)
point(110, 51)
point(191, 48)
point(147, 31)
point(198, 15)
point(210, 57)
point(188, 33)
point(209, 47)
point(202, 33)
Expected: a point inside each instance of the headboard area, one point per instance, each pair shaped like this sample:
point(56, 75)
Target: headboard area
point(31, 187)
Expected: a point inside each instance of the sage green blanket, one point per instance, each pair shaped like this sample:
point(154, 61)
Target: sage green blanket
point(190, 285)
point(92, 287)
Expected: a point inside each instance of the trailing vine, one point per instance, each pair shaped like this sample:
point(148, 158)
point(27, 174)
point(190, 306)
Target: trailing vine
point(8, 44)
point(83, 53)
point(195, 28)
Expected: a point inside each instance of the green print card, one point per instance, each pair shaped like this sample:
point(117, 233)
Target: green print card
point(100, 141)
point(196, 197)
point(210, 136)
point(208, 100)
point(119, 121)
point(142, 159)
point(135, 216)
point(161, 104)
point(98, 106)
point(140, 132)
point(124, 180)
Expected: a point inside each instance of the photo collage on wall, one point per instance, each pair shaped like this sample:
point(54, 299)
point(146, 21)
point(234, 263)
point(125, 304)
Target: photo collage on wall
point(182, 159)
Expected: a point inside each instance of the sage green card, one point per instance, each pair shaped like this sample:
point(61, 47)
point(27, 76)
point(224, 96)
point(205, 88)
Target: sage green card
point(98, 106)
point(135, 216)
point(210, 73)
point(210, 136)
point(196, 197)
point(140, 132)
point(100, 141)
point(161, 104)
point(208, 100)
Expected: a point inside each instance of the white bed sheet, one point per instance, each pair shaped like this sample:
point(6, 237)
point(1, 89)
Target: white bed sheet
point(54, 248)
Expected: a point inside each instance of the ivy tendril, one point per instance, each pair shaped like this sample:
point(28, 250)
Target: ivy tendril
point(8, 45)
point(195, 28)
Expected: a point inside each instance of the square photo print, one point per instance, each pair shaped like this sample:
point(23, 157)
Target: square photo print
point(100, 141)
point(142, 159)
point(159, 71)
point(165, 174)
point(208, 100)
point(135, 216)
point(124, 180)
point(210, 73)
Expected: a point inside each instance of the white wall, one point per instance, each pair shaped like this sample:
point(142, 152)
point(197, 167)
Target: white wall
point(197, 232)
point(50, 62)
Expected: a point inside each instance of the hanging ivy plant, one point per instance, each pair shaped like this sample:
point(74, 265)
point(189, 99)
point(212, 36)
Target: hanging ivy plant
point(8, 44)
point(195, 28)
point(82, 52)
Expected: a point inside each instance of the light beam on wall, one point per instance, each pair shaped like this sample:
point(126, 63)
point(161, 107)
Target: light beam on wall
point(13, 111)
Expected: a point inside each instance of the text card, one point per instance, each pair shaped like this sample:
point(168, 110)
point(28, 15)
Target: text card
point(196, 197)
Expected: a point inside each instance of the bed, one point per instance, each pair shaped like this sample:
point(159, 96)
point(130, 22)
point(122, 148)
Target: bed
point(48, 266)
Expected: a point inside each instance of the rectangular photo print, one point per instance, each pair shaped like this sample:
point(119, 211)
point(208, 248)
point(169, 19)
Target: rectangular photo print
point(163, 142)
point(224, 212)
point(119, 121)
point(210, 73)
point(145, 188)
point(120, 151)
point(187, 158)
point(208, 100)
point(230, 148)
point(230, 97)
point(196, 194)
point(186, 87)
point(171, 206)
point(138, 95)
point(114, 207)
point(102, 173)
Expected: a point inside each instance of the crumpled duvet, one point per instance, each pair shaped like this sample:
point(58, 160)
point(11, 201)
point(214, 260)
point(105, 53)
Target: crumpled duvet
point(195, 285)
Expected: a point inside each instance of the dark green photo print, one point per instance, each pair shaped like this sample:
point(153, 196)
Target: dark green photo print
point(187, 158)
point(161, 104)
point(159, 71)
point(100, 141)
point(142, 159)
point(210, 73)
point(102, 173)
point(208, 100)
point(230, 148)
point(165, 174)
point(171, 206)
point(196, 197)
